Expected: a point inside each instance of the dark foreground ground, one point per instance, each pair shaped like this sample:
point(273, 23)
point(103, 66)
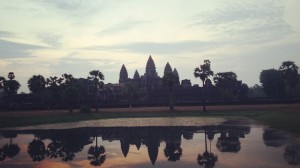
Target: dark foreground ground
point(280, 116)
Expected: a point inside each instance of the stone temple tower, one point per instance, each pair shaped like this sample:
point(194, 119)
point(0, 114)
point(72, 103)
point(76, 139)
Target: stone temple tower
point(150, 68)
point(123, 74)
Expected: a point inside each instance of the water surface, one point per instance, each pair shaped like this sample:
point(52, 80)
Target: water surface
point(215, 143)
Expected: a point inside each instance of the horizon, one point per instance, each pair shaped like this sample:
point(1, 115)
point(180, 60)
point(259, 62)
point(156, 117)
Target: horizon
point(51, 38)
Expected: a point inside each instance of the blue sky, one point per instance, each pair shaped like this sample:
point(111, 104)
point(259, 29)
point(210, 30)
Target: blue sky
point(52, 37)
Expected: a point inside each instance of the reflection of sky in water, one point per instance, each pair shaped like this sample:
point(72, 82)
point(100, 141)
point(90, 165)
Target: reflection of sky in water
point(253, 153)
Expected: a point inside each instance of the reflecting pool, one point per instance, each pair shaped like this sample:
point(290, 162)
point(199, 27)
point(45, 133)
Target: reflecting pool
point(222, 145)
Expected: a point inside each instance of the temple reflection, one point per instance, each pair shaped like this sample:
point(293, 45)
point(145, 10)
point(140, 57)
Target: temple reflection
point(65, 144)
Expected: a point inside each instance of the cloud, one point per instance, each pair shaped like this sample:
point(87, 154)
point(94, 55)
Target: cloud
point(246, 21)
point(51, 39)
point(10, 49)
point(120, 27)
point(158, 47)
point(4, 34)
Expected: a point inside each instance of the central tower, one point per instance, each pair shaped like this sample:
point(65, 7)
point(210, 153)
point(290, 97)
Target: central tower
point(150, 68)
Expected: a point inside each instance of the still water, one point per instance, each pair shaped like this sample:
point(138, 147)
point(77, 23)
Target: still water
point(221, 145)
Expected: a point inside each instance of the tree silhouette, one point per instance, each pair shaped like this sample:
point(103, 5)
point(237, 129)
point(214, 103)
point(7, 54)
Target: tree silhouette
point(36, 150)
point(229, 86)
point(289, 72)
point(36, 84)
point(10, 150)
point(207, 159)
point(173, 151)
point(169, 81)
point(203, 72)
point(11, 87)
point(228, 143)
point(272, 83)
point(2, 155)
point(130, 90)
point(53, 85)
point(97, 82)
point(292, 154)
point(71, 90)
point(96, 155)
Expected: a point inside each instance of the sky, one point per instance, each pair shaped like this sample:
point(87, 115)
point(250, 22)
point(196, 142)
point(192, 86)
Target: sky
point(53, 37)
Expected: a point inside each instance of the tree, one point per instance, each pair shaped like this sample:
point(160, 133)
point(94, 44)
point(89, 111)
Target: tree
point(289, 72)
point(96, 155)
point(71, 90)
point(130, 90)
point(207, 159)
point(96, 79)
point(169, 81)
point(203, 72)
point(229, 86)
point(272, 83)
point(37, 150)
point(36, 84)
point(53, 84)
point(11, 86)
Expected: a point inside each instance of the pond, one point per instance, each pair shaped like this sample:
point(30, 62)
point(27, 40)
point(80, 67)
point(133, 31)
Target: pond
point(216, 143)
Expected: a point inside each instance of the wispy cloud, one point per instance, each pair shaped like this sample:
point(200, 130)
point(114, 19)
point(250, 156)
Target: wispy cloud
point(157, 47)
point(121, 27)
point(10, 49)
point(51, 39)
point(246, 21)
point(4, 34)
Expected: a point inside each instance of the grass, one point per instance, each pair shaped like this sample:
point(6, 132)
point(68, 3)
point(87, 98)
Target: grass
point(281, 117)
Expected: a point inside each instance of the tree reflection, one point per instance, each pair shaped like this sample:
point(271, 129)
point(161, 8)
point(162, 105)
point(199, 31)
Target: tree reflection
point(274, 138)
point(2, 155)
point(207, 159)
point(36, 150)
point(96, 155)
point(292, 154)
point(66, 144)
point(228, 142)
point(9, 150)
point(173, 150)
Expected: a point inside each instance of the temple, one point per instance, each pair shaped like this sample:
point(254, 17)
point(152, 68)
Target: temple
point(149, 89)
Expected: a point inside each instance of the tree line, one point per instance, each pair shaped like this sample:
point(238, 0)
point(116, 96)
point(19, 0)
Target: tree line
point(69, 92)
point(57, 91)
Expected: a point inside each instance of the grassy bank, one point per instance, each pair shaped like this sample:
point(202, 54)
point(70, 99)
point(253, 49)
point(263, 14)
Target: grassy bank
point(285, 117)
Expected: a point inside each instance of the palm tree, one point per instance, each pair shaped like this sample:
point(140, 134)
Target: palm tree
point(97, 82)
point(203, 72)
point(169, 81)
point(289, 72)
point(53, 85)
point(71, 90)
point(207, 159)
point(11, 86)
point(96, 154)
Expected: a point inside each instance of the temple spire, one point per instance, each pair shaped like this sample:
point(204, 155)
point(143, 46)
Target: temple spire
point(123, 74)
point(168, 68)
point(136, 75)
point(150, 68)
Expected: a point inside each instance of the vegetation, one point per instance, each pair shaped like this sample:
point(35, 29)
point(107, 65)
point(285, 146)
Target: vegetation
point(96, 77)
point(169, 80)
point(229, 86)
point(203, 72)
point(289, 72)
point(272, 83)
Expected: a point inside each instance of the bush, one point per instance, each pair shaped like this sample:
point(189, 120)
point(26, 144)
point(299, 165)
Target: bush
point(85, 109)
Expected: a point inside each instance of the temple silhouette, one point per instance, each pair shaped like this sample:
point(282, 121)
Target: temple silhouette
point(150, 89)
